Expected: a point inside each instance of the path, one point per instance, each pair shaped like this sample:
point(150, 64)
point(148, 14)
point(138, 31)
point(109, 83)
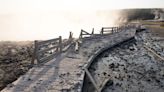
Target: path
point(65, 72)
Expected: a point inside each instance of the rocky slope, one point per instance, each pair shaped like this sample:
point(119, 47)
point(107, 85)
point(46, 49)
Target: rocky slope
point(15, 58)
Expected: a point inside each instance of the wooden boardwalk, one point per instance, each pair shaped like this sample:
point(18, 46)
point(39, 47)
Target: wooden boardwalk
point(65, 72)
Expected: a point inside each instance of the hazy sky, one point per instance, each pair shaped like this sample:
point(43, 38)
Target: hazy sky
point(44, 5)
point(44, 19)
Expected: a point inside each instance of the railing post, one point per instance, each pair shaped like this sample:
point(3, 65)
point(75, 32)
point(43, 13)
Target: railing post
point(81, 33)
point(112, 30)
point(76, 45)
point(35, 56)
point(102, 31)
point(92, 31)
point(60, 44)
point(70, 35)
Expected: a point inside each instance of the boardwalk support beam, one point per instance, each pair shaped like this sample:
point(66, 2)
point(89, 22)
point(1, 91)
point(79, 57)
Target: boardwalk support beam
point(91, 79)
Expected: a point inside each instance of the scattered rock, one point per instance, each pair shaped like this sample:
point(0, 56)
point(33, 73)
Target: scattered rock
point(109, 83)
point(104, 73)
point(111, 65)
point(131, 67)
point(131, 48)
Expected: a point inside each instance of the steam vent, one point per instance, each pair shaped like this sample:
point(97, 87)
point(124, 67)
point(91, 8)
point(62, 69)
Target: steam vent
point(117, 59)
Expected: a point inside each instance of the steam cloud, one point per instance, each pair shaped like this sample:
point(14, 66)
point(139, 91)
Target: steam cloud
point(127, 15)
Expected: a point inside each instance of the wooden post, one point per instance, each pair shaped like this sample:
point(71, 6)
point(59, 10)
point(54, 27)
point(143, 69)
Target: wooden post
point(76, 45)
point(102, 31)
point(80, 37)
point(103, 84)
point(92, 31)
point(70, 35)
point(162, 58)
point(60, 44)
point(92, 80)
point(36, 53)
point(112, 30)
point(34, 56)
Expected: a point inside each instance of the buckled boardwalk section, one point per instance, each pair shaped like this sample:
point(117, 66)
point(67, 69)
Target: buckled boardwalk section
point(60, 65)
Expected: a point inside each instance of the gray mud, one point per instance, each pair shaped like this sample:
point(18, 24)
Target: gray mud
point(130, 67)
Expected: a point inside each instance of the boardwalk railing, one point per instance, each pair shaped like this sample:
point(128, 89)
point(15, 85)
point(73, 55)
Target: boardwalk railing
point(109, 30)
point(46, 50)
point(67, 42)
point(104, 31)
point(84, 33)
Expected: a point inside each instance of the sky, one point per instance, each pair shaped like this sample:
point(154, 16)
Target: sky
point(50, 5)
point(45, 19)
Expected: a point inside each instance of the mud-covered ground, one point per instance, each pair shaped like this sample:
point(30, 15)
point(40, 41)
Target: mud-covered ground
point(130, 67)
point(15, 59)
